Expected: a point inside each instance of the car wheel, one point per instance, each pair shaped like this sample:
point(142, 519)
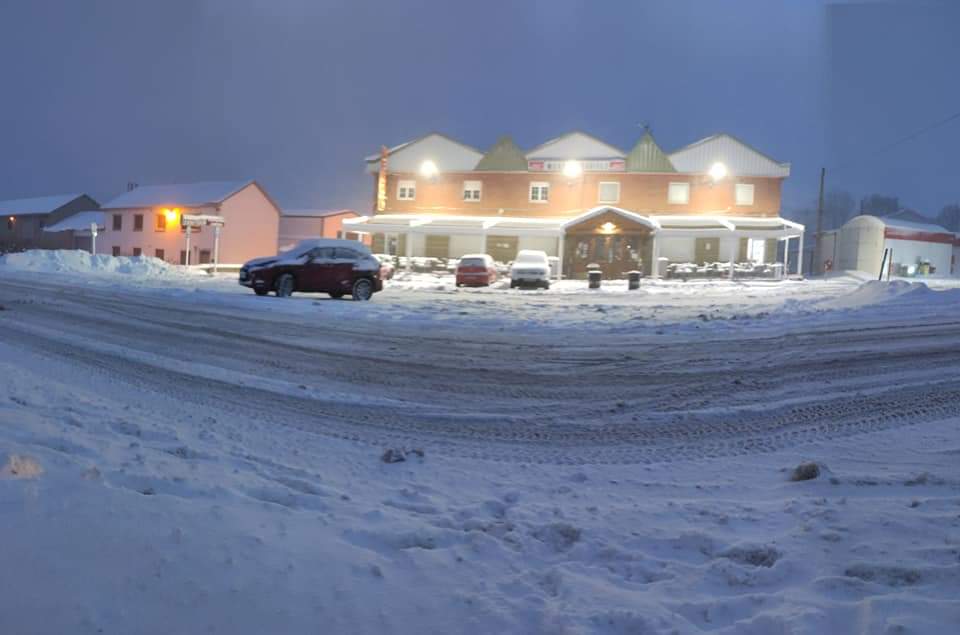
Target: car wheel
point(362, 290)
point(285, 286)
point(336, 295)
point(546, 285)
point(261, 291)
point(513, 285)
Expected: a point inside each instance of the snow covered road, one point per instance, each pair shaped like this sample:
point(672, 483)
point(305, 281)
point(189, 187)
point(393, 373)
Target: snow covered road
point(618, 480)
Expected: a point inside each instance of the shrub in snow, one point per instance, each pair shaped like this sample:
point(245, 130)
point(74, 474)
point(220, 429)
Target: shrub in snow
point(398, 455)
point(753, 555)
point(805, 472)
point(21, 467)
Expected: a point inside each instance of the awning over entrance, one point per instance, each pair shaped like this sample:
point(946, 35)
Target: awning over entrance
point(437, 224)
point(636, 235)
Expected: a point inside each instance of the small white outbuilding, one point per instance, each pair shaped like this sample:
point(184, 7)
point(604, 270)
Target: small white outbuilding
point(916, 249)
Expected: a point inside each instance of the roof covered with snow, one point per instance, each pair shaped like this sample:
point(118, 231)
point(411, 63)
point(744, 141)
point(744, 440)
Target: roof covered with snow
point(898, 223)
point(316, 213)
point(181, 195)
point(38, 205)
point(79, 222)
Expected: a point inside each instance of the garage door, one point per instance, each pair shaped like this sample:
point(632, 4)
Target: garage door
point(502, 248)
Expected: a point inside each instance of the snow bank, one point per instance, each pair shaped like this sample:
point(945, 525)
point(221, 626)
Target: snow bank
point(76, 261)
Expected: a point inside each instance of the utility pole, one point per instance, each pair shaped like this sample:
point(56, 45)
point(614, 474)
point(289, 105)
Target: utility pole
point(818, 248)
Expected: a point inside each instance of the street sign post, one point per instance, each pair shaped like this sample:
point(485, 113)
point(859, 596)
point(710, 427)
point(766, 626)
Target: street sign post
point(189, 221)
point(93, 238)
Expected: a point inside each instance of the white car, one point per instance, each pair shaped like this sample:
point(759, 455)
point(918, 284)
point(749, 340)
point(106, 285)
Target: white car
point(530, 269)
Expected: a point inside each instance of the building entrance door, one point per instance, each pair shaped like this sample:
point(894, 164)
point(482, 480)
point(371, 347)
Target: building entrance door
point(616, 243)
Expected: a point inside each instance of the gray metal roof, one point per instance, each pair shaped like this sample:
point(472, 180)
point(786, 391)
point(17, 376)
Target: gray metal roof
point(504, 156)
point(647, 156)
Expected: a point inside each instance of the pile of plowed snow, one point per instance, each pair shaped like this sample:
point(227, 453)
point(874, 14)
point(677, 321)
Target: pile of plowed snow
point(76, 261)
point(877, 292)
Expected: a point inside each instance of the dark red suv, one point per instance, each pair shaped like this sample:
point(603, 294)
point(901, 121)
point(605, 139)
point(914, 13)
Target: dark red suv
point(337, 267)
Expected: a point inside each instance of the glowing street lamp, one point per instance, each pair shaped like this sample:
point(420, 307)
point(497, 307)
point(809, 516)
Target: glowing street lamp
point(171, 214)
point(572, 169)
point(428, 169)
point(718, 172)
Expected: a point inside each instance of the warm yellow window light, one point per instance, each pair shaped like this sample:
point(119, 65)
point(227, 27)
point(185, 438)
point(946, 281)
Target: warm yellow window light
point(428, 169)
point(572, 169)
point(171, 214)
point(718, 171)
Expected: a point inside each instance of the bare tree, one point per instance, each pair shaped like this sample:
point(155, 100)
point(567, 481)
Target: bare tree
point(949, 217)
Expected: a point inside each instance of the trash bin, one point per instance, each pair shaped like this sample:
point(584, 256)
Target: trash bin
point(633, 280)
point(594, 276)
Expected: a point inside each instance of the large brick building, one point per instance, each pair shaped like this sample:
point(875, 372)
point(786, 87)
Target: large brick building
point(582, 200)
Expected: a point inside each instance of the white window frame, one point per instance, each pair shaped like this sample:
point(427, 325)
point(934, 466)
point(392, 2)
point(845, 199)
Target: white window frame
point(540, 186)
point(472, 186)
point(406, 184)
point(673, 187)
point(615, 199)
point(740, 192)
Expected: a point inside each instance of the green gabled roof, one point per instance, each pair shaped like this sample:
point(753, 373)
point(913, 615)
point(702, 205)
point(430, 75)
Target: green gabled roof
point(647, 156)
point(504, 156)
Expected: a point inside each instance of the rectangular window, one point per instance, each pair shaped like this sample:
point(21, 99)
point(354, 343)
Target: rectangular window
point(756, 250)
point(678, 193)
point(161, 225)
point(117, 222)
point(744, 193)
point(158, 253)
point(406, 190)
point(138, 222)
point(608, 192)
point(116, 251)
point(137, 251)
point(471, 190)
point(539, 192)
point(183, 257)
point(204, 256)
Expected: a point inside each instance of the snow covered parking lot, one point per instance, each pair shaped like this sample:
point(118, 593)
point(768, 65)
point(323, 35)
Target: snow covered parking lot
point(178, 455)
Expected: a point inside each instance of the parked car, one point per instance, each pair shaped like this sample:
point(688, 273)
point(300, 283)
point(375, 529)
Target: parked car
point(337, 267)
point(476, 270)
point(530, 269)
point(387, 268)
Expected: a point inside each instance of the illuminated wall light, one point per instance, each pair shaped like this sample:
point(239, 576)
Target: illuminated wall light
point(428, 169)
point(718, 171)
point(572, 169)
point(608, 228)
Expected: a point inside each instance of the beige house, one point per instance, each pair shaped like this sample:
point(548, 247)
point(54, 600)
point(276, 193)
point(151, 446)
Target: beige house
point(146, 221)
point(715, 202)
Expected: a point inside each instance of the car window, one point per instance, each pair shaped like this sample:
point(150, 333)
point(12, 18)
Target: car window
point(342, 253)
point(321, 253)
point(473, 262)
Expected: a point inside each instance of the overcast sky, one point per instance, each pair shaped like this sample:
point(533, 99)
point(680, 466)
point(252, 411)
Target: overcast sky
point(294, 93)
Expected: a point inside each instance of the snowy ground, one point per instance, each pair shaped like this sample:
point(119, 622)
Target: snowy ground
point(180, 456)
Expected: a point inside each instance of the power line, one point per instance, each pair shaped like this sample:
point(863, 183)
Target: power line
point(905, 138)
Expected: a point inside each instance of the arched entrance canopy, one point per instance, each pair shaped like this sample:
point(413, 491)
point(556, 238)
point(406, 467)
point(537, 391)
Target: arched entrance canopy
point(611, 238)
point(598, 216)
